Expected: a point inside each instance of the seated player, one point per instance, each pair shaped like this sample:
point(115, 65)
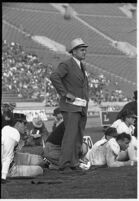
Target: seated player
point(52, 148)
point(37, 133)
point(14, 163)
point(133, 107)
point(126, 124)
point(58, 118)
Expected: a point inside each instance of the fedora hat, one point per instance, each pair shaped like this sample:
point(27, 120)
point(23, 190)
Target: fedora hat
point(76, 43)
point(37, 122)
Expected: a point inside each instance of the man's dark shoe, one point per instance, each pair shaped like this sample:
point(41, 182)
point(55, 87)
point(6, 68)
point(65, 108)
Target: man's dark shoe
point(72, 171)
point(65, 170)
point(3, 181)
point(77, 168)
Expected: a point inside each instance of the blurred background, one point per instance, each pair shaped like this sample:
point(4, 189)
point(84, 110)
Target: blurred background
point(35, 38)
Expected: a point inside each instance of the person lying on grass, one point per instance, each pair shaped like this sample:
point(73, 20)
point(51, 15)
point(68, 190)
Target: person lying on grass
point(106, 153)
point(13, 162)
point(108, 134)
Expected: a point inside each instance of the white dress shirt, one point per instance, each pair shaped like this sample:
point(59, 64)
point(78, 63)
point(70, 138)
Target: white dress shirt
point(77, 61)
point(122, 127)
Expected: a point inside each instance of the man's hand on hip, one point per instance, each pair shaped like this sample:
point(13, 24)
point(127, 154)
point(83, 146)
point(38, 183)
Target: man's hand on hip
point(70, 97)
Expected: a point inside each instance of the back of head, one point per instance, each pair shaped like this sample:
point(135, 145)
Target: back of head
point(110, 131)
point(127, 113)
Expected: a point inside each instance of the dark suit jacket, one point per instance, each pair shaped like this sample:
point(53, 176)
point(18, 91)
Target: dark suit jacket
point(68, 78)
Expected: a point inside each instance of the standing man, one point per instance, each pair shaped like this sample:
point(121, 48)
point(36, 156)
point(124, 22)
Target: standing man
point(70, 81)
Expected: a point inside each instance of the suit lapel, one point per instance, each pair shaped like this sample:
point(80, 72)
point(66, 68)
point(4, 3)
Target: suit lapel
point(77, 69)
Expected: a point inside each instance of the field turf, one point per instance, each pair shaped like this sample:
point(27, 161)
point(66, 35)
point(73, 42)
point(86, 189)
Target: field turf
point(99, 183)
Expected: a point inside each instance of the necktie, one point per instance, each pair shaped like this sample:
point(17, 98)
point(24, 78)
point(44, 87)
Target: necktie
point(82, 68)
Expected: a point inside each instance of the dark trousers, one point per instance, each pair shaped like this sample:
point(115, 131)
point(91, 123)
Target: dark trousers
point(71, 144)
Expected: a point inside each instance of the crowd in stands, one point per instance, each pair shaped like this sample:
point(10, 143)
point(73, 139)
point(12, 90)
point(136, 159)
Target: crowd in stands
point(25, 75)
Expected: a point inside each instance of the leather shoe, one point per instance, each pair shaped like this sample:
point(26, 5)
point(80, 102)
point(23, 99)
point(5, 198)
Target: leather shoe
point(65, 170)
point(77, 168)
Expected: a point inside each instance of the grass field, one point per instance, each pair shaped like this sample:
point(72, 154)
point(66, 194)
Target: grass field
point(99, 183)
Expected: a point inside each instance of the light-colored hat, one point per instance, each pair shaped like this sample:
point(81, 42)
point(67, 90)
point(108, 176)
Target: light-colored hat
point(37, 122)
point(78, 42)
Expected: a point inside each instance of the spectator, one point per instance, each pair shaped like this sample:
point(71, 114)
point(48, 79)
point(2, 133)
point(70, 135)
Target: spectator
point(106, 153)
point(70, 81)
point(21, 164)
point(38, 133)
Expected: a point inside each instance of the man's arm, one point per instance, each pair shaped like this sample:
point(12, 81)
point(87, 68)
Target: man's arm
point(56, 79)
point(7, 157)
point(111, 159)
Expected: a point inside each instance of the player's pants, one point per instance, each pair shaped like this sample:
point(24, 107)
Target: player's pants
point(52, 152)
point(26, 165)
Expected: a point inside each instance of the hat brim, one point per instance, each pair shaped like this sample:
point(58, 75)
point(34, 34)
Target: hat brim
point(78, 46)
point(133, 116)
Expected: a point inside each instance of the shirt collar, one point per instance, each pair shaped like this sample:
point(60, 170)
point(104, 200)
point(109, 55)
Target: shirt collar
point(77, 61)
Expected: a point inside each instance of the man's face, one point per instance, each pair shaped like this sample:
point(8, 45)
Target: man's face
point(59, 116)
point(80, 53)
point(131, 120)
point(22, 127)
point(124, 144)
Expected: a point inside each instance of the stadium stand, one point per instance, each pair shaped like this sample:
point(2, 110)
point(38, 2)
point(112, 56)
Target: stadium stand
point(22, 21)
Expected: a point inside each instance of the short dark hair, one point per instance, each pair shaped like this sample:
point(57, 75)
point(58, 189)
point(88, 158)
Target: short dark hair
point(18, 117)
point(122, 136)
point(127, 113)
point(111, 131)
point(18, 120)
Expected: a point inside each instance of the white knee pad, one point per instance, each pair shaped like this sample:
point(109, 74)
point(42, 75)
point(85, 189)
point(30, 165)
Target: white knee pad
point(26, 171)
